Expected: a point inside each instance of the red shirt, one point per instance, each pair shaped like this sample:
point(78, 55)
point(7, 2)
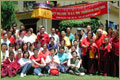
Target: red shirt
point(12, 39)
point(85, 42)
point(100, 40)
point(43, 38)
point(44, 55)
point(38, 60)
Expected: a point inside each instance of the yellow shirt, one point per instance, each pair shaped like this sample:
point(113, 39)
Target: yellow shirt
point(91, 54)
point(67, 41)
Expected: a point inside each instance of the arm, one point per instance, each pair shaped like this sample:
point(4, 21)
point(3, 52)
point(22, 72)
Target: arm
point(43, 63)
point(64, 62)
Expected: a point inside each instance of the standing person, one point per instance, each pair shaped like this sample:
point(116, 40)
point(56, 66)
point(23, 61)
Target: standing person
point(43, 37)
point(105, 52)
point(38, 63)
point(74, 64)
point(57, 32)
point(92, 53)
point(10, 66)
point(109, 35)
point(99, 40)
point(69, 35)
point(67, 41)
point(85, 44)
point(63, 57)
point(53, 34)
point(4, 52)
point(25, 64)
point(101, 27)
point(115, 52)
point(52, 62)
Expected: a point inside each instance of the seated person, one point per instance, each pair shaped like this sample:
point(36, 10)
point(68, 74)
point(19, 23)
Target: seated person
point(74, 64)
point(52, 61)
point(25, 64)
point(38, 63)
point(10, 66)
point(63, 57)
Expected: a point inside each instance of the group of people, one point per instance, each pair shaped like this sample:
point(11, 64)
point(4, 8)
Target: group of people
point(25, 52)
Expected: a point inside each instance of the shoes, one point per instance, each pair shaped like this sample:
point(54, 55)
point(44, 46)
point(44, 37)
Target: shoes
point(22, 75)
point(40, 74)
point(71, 72)
point(82, 74)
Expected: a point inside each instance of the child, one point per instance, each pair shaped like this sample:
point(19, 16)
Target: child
point(25, 64)
point(10, 66)
point(74, 64)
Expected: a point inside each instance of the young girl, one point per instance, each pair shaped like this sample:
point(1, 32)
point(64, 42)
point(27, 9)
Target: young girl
point(38, 63)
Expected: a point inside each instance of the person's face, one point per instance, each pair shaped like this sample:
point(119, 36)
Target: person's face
point(10, 49)
point(9, 34)
point(63, 33)
point(61, 50)
point(44, 46)
point(53, 30)
point(14, 27)
point(11, 29)
point(76, 37)
point(89, 35)
point(79, 31)
point(32, 47)
point(25, 46)
point(52, 40)
point(4, 47)
point(62, 43)
point(17, 46)
point(74, 55)
point(36, 52)
point(29, 33)
point(42, 30)
point(11, 57)
point(56, 30)
point(26, 55)
point(109, 30)
point(52, 52)
point(88, 28)
point(19, 51)
point(73, 48)
point(75, 43)
point(68, 30)
point(22, 27)
point(5, 36)
point(99, 33)
point(38, 45)
point(101, 27)
point(31, 30)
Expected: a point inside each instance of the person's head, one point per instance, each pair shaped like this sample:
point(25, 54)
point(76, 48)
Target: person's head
point(72, 48)
point(11, 55)
point(26, 55)
point(62, 42)
point(14, 26)
point(35, 51)
point(75, 43)
point(38, 44)
point(45, 46)
point(77, 36)
point(61, 49)
point(22, 27)
point(56, 30)
point(82, 31)
point(115, 34)
point(11, 47)
point(21, 32)
point(28, 44)
point(11, 29)
point(110, 30)
point(32, 46)
point(29, 32)
point(88, 28)
point(3, 46)
point(68, 30)
point(31, 29)
point(19, 51)
point(52, 39)
point(4, 31)
point(99, 32)
point(74, 54)
point(9, 33)
point(89, 34)
point(52, 51)
point(42, 30)
point(5, 36)
point(106, 40)
point(17, 46)
point(101, 26)
point(79, 31)
point(24, 47)
point(53, 30)
point(63, 33)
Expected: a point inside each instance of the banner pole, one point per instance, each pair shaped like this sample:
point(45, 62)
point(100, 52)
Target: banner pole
point(46, 24)
point(108, 12)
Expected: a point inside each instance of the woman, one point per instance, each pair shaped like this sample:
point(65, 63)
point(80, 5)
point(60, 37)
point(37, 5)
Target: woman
point(24, 47)
point(31, 49)
point(17, 46)
point(25, 64)
point(109, 35)
point(38, 63)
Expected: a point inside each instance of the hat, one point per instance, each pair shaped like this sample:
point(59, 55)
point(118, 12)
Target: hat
point(78, 29)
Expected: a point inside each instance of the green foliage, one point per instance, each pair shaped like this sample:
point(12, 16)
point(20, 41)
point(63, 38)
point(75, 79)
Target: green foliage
point(7, 14)
point(77, 23)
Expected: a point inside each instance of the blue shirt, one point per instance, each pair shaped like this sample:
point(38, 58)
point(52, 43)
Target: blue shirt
point(62, 57)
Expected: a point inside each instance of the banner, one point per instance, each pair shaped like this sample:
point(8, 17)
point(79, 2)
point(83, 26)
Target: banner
point(79, 12)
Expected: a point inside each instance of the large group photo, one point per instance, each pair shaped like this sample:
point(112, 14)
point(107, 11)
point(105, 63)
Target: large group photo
point(60, 40)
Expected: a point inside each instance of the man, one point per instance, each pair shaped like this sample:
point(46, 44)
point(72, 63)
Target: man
point(53, 34)
point(63, 57)
point(70, 35)
point(5, 39)
point(43, 37)
point(101, 27)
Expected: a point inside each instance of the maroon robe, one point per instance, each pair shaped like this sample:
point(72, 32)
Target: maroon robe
point(9, 68)
point(115, 49)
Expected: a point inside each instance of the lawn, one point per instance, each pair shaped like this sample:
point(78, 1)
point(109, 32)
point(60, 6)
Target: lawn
point(62, 77)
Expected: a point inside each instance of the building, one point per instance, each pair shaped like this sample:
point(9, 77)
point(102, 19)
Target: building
point(25, 9)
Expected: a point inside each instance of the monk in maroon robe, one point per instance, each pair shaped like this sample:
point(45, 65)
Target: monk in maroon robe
point(115, 52)
point(106, 56)
point(10, 66)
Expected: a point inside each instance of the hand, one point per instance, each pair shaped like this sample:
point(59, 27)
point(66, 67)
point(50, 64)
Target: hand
point(96, 56)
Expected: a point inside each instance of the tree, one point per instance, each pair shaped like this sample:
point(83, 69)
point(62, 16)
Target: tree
point(8, 16)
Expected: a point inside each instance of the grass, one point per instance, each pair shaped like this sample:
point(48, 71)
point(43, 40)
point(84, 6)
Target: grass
point(62, 77)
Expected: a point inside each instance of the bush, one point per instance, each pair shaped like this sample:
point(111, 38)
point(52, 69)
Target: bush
point(82, 24)
point(7, 14)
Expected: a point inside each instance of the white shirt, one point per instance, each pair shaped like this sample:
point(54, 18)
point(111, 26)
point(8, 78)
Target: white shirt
point(6, 54)
point(7, 42)
point(31, 53)
point(56, 37)
point(23, 61)
point(30, 39)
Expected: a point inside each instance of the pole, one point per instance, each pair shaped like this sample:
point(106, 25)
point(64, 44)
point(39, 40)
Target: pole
point(108, 11)
point(46, 24)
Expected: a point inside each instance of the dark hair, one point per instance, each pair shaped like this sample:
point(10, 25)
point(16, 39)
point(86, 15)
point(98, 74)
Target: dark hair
point(52, 38)
point(73, 52)
point(61, 47)
point(50, 49)
point(14, 25)
point(3, 44)
point(25, 53)
point(11, 45)
point(91, 33)
point(62, 40)
point(35, 49)
point(100, 25)
point(42, 27)
point(23, 46)
point(11, 53)
point(5, 34)
point(16, 45)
